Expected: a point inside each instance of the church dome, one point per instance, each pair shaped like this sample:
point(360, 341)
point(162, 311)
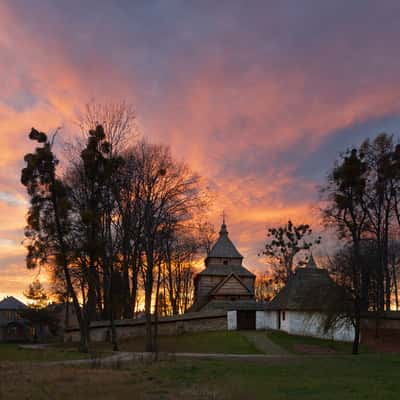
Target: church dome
point(223, 247)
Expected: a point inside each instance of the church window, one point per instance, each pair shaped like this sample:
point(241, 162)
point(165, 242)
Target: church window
point(283, 315)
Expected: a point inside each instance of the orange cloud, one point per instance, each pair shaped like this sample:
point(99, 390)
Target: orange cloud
point(243, 117)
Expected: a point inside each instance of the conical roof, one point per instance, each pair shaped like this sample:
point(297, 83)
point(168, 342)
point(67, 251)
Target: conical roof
point(224, 248)
point(311, 263)
point(311, 288)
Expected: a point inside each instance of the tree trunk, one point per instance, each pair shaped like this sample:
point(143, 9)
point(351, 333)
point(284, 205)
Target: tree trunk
point(380, 278)
point(112, 319)
point(91, 295)
point(149, 334)
point(388, 291)
point(171, 291)
point(136, 265)
point(396, 292)
point(66, 321)
point(357, 270)
point(83, 345)
point(356, 340)
point(147, 303)
point(127, 301)
point(365, 283)
point(155, 333)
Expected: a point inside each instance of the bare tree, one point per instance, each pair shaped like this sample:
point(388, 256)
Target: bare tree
point(49, 221)
point(344, 212)
point(169, 195)
point(117, 119)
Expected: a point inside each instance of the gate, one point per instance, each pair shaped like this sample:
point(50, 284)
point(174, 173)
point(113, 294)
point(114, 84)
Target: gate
point(246, 319)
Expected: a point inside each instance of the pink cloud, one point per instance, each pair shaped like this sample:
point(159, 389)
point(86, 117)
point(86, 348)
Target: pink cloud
point(235, 113)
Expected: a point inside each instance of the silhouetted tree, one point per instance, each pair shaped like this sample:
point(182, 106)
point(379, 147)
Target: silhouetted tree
point(36, 293)
point(345, 211)
point(169, 194)
point(49, 219)
point(283, 245)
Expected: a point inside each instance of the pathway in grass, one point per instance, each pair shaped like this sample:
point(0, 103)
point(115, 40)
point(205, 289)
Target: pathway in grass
point(309, 345)
point(262, 343)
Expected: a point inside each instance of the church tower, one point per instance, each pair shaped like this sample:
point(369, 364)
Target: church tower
point(224, 283)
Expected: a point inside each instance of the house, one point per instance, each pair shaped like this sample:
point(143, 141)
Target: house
point(62, 315)
point(13, 327)
point(225, 282)
point(305, 303)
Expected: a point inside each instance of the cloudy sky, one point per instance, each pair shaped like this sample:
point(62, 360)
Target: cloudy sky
point(257, 96)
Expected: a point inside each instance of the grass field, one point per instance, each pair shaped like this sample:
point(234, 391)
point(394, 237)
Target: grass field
point(232, 342)
point(299, 344)
point(202, 342)
point(338, 377)
point(229, 342)
point(11, 352)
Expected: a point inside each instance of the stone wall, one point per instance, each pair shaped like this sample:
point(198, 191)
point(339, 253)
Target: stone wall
point(381, 332)
point(386, 321)
point(191, 322)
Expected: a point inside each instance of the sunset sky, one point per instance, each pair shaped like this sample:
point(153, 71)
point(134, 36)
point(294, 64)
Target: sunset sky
point(259, 97)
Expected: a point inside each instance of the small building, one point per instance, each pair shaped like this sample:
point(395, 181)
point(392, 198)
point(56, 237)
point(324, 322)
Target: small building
point(304, 304)
point(224, 283)
point(13, 327)
point(63, 316)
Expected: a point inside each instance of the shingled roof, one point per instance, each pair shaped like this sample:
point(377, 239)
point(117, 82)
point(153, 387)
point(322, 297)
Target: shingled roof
point(225, 305)
point(224, 248)
point(11, 303)
point(223, 270)
point(310, 289)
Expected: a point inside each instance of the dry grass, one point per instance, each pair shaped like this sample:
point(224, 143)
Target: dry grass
point(65, 383)
point(348, 378)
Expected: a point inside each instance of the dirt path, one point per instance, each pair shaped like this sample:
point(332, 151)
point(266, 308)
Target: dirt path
point(121, 358)
point(263, 344)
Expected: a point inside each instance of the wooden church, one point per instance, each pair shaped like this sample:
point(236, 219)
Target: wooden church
point(224, 283)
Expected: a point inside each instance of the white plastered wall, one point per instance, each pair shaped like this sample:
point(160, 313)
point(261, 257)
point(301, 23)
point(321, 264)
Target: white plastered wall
point(232, 320)
point(312, 324)
point(305, 324)
point(266, 320)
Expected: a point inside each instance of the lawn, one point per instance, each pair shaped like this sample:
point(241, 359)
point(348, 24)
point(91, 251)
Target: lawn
point(341, 377)
point(12, 352)
point(231, 342)
point(305, 344)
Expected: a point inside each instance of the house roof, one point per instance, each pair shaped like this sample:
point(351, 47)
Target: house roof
point(223, 270)
point(11, 303)
point(226, 305)
point(223, 247)
point(311, 263)
point(223, 281)
point(311, 288)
